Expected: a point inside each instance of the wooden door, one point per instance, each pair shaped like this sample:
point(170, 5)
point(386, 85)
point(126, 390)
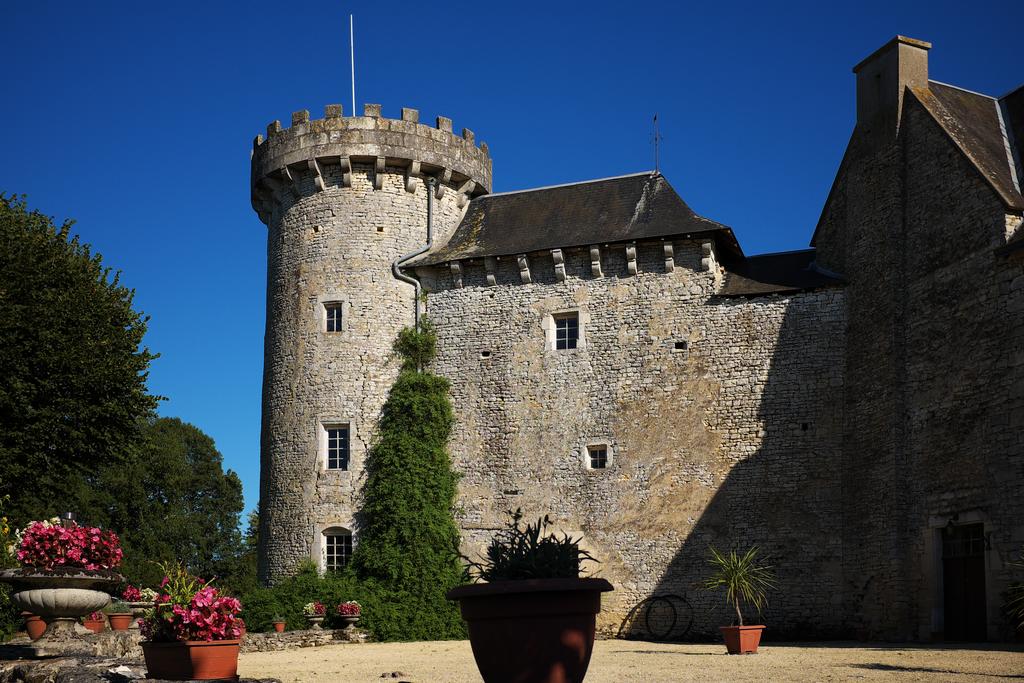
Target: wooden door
point(963, 582)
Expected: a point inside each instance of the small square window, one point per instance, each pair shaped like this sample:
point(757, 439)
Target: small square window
point(337, 447)
point(597, 457)
point(567, 331)
point(333, 317)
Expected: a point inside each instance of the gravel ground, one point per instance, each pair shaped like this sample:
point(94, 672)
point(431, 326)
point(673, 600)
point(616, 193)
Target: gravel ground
point(618, 661)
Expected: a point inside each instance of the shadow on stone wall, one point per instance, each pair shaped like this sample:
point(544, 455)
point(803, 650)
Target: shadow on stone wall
point(784, 498)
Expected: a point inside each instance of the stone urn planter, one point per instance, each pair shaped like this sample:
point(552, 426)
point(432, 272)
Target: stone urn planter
point(537, 630)
point(314, 622)
point(347, 620)
point(61, 596)
point(192, 660)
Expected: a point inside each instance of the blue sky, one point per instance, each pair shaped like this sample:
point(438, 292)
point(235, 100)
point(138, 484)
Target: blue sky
point(137, 120)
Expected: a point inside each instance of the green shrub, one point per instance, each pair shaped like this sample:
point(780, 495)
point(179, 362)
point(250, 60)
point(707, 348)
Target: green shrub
point(407, 552)
point(406, 559)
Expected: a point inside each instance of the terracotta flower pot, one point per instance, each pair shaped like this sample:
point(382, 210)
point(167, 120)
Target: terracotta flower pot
point(190, 660)
point(95, 625)
point(532, 631)
point(34, 625)
point(120, 621)
point(279, 626)
point(742, 640)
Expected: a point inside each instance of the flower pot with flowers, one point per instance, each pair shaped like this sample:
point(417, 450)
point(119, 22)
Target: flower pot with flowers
point(348, 613)
point(745, 578)
point(94, 621)
point(67, 571)
point(314, 613)
point(191, 632)
point(534, 618)
point(138, 601)
point(278, 622)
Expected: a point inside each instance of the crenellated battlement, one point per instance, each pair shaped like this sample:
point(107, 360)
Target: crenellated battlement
point(418, 150)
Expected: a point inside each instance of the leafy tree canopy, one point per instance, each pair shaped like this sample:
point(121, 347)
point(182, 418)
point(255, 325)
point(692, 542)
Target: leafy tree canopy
point(72, 368)
point(173, 502)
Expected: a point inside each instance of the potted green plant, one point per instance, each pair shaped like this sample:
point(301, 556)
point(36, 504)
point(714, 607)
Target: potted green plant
point(745, 579)
point(119, 614)
point(279, 623)
point(534, 617)
point(191, 632)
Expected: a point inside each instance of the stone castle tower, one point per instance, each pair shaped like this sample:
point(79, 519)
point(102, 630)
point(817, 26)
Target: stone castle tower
point(343, 199)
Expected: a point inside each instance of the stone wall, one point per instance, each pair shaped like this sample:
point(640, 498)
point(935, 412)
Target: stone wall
point(933, 374)
point(732, 440)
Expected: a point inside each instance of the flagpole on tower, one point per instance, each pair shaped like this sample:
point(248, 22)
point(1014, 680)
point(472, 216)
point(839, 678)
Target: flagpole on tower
point(657, 139)
point(352, 59)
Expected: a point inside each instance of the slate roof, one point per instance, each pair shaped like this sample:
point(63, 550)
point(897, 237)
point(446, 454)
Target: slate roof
point(627, 208)
point(789, 271)
point(984, 128)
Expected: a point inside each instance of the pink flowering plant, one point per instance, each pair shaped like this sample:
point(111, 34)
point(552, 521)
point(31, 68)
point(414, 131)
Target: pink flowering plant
point(314, 609)
point(351, 608)
point(48, 545)
point(190, 609)
point(134, 594)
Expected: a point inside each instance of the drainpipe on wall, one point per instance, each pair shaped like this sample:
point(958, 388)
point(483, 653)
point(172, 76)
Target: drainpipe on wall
point(396, 265)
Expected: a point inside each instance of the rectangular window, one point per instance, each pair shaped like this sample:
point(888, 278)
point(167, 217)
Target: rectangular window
point(333, 312)
point(337, 551)
point(337, 447)
point(567, 331)
point(598, 457)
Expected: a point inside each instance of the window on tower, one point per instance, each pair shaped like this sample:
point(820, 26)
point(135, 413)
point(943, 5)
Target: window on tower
point(337, 549)
point(332, 314)
point(336, 455)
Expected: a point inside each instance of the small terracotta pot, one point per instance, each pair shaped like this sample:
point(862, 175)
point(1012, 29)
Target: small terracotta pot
point(95, 625)
point(120, 621)
point(279, 626)
point(34, 625)
point(192, 660)
point(742, 640)
point(536, 630)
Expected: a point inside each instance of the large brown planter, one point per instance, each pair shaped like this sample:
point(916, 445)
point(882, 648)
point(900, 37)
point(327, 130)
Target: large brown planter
point(532, 631)
point(190, 660)
point(742, 640)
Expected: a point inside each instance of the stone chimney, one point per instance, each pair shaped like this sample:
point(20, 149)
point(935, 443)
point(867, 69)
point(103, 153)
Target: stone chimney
point(882, 78)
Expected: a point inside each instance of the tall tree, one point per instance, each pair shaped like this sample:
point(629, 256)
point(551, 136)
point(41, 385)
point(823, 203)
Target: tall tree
point(408, 537)
point(72, 368)
point(173, 501)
